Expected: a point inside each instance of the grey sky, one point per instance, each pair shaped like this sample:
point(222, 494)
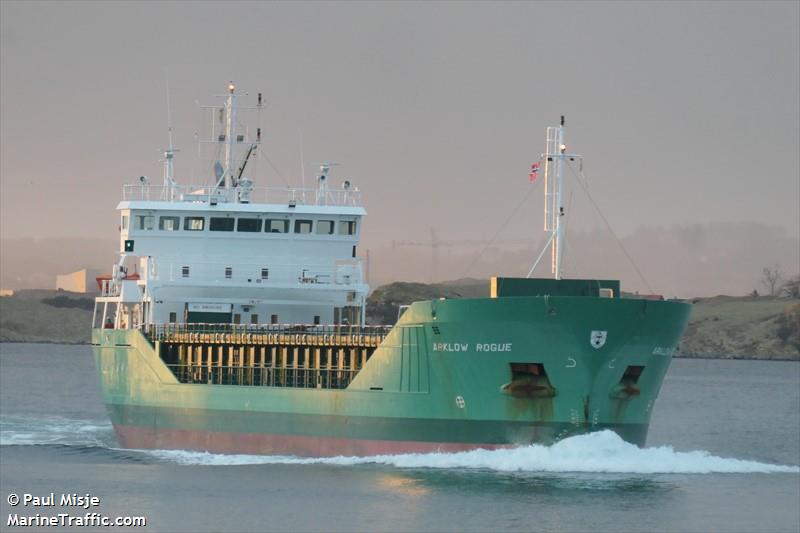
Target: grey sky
point(686, 112)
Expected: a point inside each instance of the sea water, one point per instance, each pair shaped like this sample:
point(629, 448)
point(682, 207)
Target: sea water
point(722, 455)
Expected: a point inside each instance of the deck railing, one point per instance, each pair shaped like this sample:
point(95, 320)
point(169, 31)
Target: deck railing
point(257, 195)
point(308, 334)
point(337, 272)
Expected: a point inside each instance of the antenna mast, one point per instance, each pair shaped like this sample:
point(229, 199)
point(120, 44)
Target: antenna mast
point(554, 158)
point(169, 154)
point(230, 183)
point(230, 123)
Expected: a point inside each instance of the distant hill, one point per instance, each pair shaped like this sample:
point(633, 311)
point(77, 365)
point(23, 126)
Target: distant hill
point(26, 317)
point(385, 301)
point(743, 327)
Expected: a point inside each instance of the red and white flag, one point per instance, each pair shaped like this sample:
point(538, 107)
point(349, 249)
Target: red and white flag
point(534, 170)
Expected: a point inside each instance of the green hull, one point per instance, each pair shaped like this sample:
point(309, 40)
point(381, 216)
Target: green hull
point(443, 379)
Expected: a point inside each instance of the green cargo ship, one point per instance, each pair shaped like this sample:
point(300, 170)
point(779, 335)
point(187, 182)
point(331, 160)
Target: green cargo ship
point(211, 334)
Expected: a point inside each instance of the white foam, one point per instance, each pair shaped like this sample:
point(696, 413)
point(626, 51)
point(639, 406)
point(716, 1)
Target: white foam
point(602, 452)
point(28, 430)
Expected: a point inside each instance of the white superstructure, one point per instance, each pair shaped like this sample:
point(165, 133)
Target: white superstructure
point(234, 253)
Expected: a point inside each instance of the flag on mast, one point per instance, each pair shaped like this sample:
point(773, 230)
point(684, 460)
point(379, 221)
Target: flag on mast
point(534, 171)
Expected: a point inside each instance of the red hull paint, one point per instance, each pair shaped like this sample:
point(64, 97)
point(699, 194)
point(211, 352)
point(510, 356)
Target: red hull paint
point(262, 444)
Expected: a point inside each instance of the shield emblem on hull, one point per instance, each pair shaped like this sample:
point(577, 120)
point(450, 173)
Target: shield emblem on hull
point(598, 338)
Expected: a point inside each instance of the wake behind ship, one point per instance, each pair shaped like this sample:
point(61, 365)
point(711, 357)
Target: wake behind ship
point(234, 322)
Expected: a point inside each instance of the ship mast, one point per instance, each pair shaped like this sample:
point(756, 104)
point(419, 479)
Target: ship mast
point(554, 158)
point(169, 157)
point(230, 123)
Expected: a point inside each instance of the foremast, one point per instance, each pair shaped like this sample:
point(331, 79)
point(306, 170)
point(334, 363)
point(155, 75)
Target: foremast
point(554, 157)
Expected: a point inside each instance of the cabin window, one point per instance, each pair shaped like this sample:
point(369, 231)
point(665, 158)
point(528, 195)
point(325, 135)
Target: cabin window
point(254, 319)
point(237, 318)
point(316, 320)
point(221, 224)
point(275, 225)
point(250, 225)
point(264, 273)
point(194, 223)
point(302, 226)
point(347, 227)
point(185, 272)
point(169, 223)
point(273, 319)
point(228, 272)
point(325, 227)
point(173, 317)
point(145, 222)
point(124, 224)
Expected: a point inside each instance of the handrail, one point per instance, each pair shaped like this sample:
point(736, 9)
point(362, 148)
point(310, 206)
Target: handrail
point(344, 334)
point(265, 195)
point(336, 272)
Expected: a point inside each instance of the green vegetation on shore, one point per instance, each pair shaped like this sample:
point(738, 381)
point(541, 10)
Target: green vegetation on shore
point(720, 327)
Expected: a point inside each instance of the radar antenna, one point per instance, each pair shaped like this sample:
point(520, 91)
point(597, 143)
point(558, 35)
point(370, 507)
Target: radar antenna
point(322, 181)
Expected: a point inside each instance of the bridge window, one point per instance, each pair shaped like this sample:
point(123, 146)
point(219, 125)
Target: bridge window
point(221, 224)
point(249, 225)
point(254, 318)
point(145, 222)
point(347, 227)
point(273, 319)
point(274, 225)
point(264, 273)
point(185, 272)
point(194, 223)
point(169, 223)
point(325, 227)
point(173, 317)
point(228, 272)
point(302, 226)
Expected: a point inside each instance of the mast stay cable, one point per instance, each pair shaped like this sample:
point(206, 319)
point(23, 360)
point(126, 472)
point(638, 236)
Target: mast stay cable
point(499, 230)
point(581, 179)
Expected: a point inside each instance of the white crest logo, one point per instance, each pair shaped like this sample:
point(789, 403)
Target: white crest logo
point(598, 338)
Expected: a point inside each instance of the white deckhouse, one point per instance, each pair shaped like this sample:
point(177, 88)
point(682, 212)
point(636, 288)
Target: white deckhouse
point(233, 253)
